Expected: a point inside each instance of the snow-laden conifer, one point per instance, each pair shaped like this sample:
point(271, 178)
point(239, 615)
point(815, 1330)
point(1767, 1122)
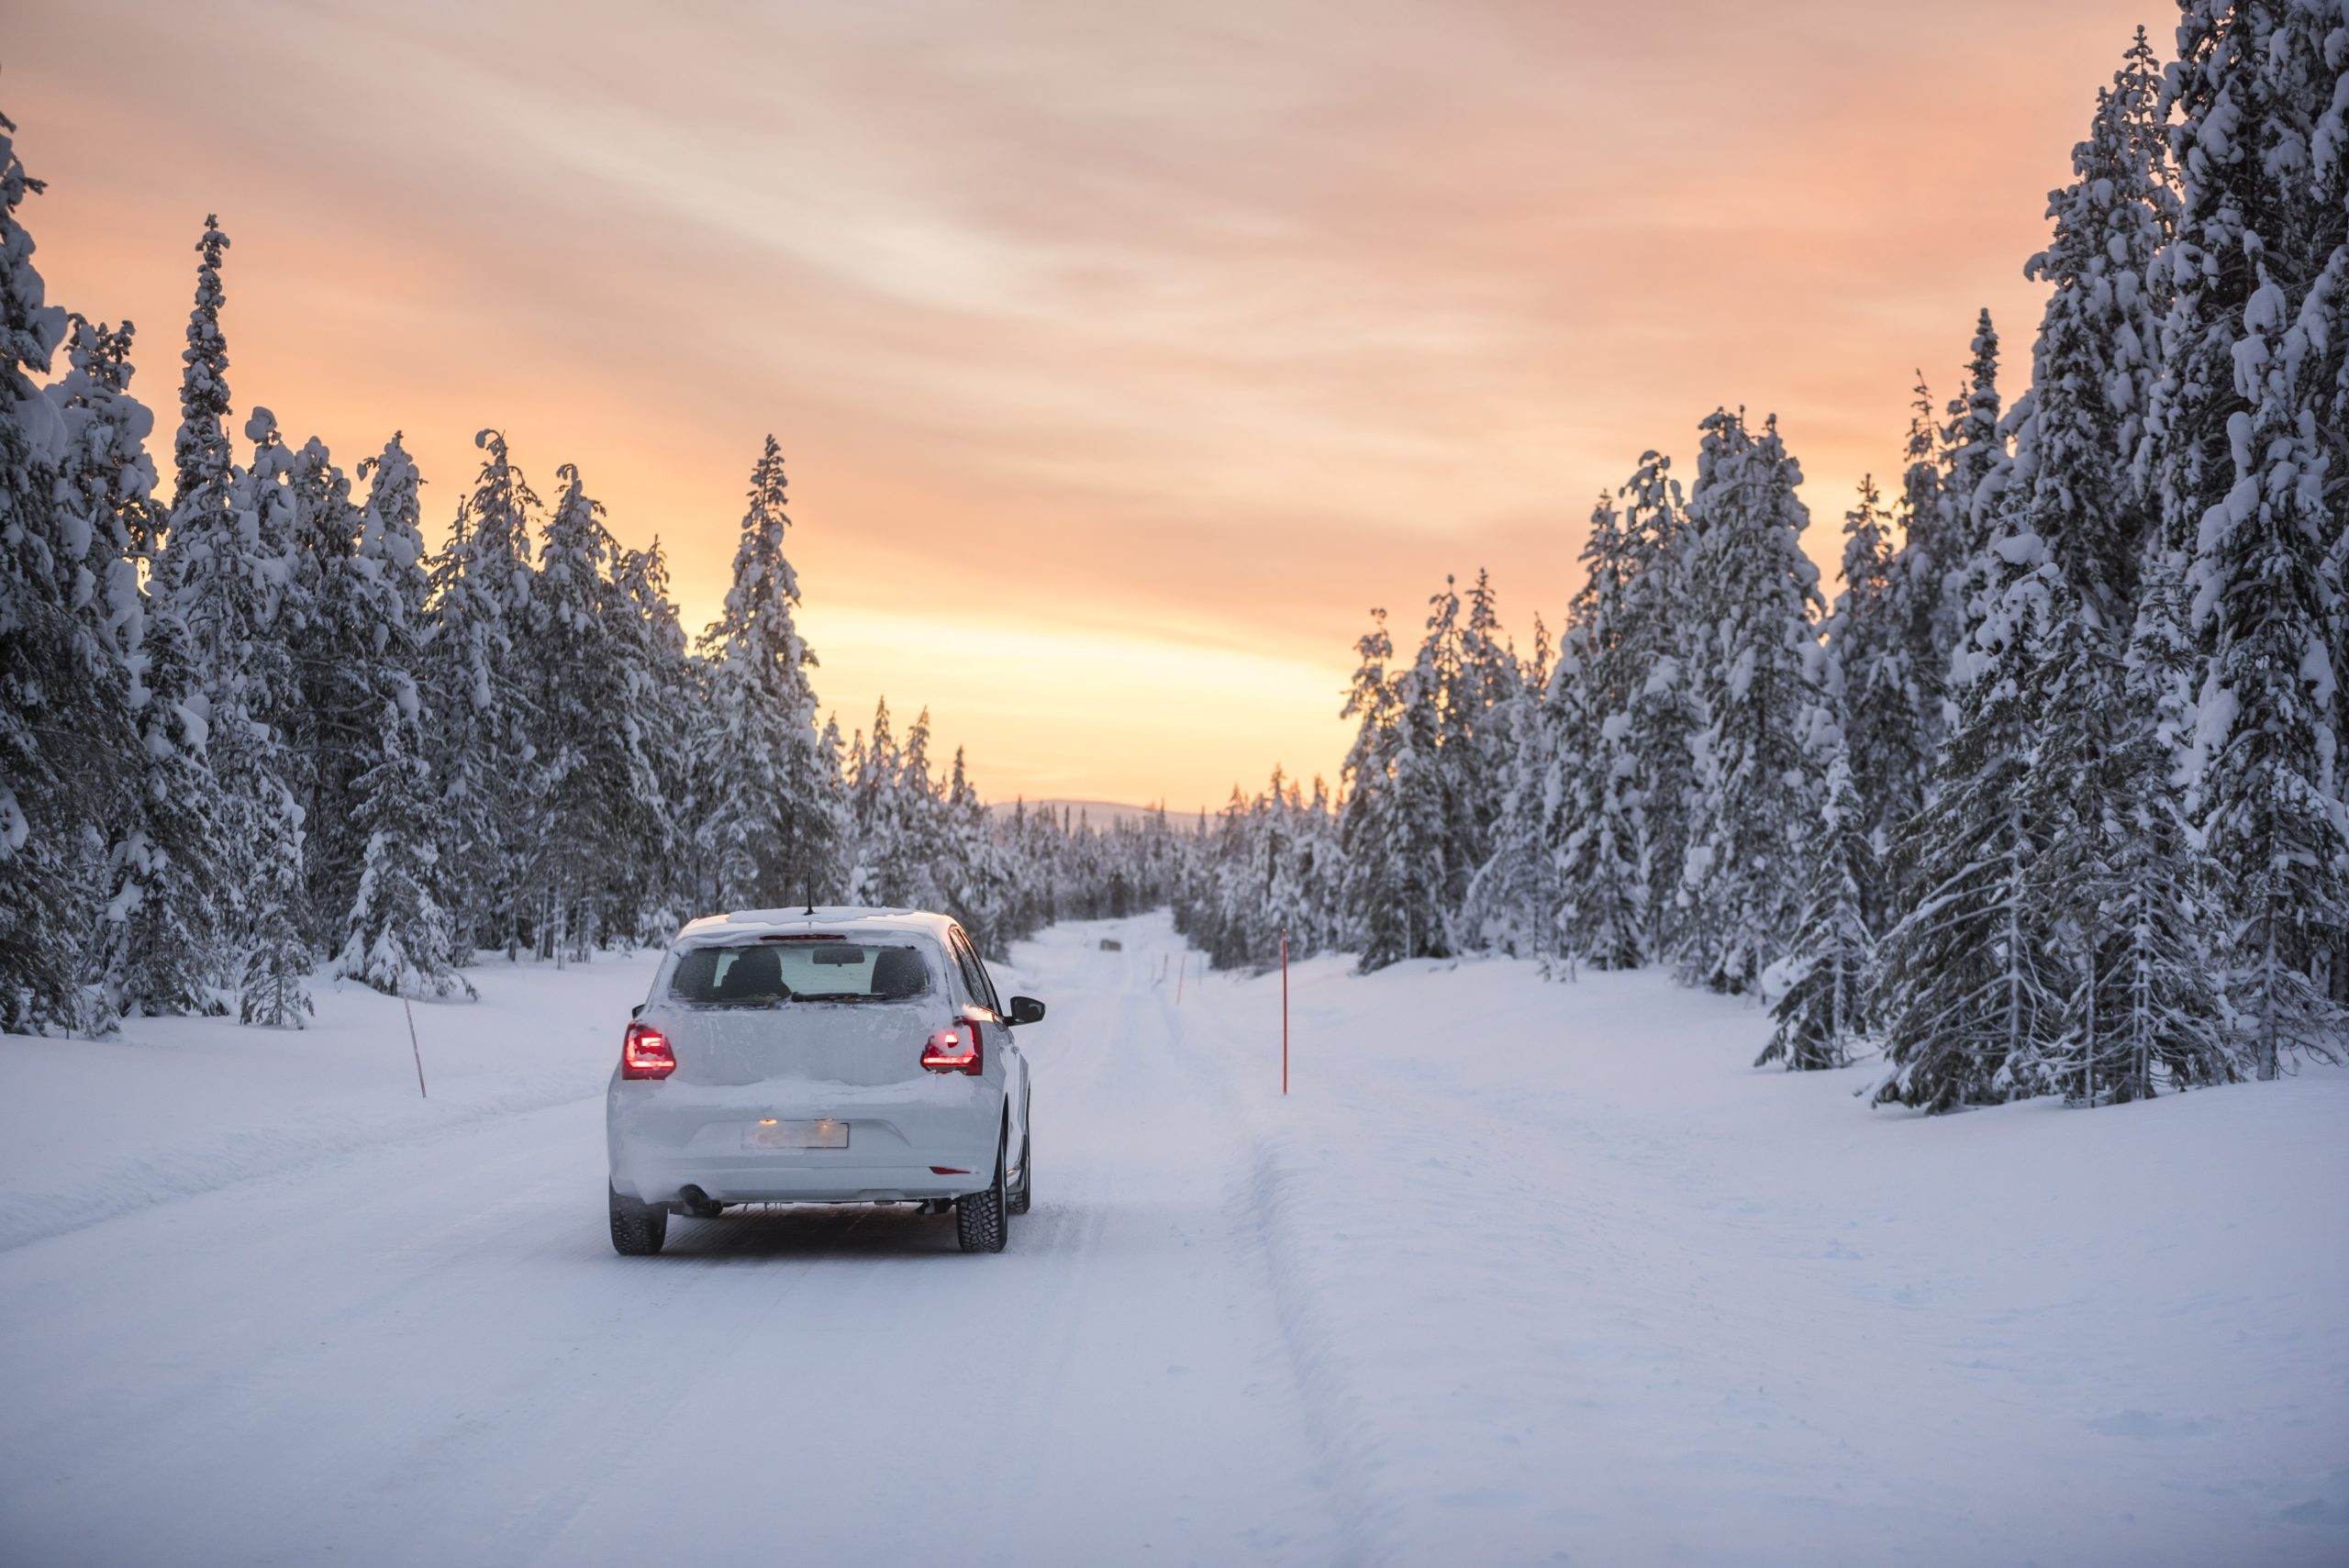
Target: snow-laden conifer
point(1665, 714)
point(1820, 987)
point(61, 722)
point(256, 704)
point(2252, 480)
point(402, 940)
point(1923, 616)
point(1589, 814)
point(201, 453)
point(1751, 651)
point(1969, 983)
point(1873, 684)
point(475, 684)
point(1481, 712)
point(153, 950)
point(1975, 449)
point(2096, 359)
point(773, 822)
point(1364, 782)
point(333, 645)
point(666, 872)
point(591, 717)
point(2123, 891)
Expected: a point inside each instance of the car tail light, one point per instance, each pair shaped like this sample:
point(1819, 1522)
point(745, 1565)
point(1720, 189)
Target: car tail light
point(955, 1048)
point(645, 1053)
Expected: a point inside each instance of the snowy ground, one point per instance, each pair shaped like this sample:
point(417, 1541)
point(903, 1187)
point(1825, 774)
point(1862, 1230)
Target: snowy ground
point(1518, 1273)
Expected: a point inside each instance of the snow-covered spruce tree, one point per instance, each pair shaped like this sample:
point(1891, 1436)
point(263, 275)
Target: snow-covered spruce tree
point(1421, 818)
point(1872, 684)
point(898, 815)
point(475, 687)
point(2122, 887)
point(258, 690)
point(1665, 714)
point(369, 625)
point(1480, 718)
point(1450, 789)
point(106, 482)
point(1968, 983)
point(333, 649)
point(161, 955)
point(1231, 925)
point(772, 822)
point(64, 729)
point(1589, 821)
point(975, 883)
point(228, 567)
point(402, 940)
point(1513, 897)
point(1975, 449)
point(154, 950)
point(2095, 359)
point(2249, 471)
point(1751, 649)
point(661, 874)
point(1265, 851)
point(1923, 617)
point(1315, 867)
point(1821, 984)
point(1374, 924)
point(590, 717)
point(914, 843)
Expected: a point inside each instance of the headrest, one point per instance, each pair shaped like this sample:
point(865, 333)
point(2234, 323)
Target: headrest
point(899, 972)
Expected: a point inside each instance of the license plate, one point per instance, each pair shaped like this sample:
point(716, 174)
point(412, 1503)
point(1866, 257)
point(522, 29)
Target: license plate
point(824, 1134)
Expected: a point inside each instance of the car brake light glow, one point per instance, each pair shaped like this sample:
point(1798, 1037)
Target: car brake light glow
point(955, 1048)
point(645, 1053)
point(947, 1171)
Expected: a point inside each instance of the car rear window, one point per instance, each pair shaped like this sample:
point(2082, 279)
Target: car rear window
point(761, 973)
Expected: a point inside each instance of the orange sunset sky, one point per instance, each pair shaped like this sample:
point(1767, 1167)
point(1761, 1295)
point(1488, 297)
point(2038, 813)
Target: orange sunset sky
point(1122, 355)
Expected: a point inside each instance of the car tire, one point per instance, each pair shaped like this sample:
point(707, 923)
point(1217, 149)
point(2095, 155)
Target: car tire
point(981, 1219)
point(638, 1228)
point(1018, 1203)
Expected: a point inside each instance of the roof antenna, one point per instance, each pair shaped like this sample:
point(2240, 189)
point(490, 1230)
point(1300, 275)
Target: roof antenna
point(811, 895)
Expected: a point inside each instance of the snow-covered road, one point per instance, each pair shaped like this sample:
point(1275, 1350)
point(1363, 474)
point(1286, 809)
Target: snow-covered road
point(1522, 1272)
point(427, 1353)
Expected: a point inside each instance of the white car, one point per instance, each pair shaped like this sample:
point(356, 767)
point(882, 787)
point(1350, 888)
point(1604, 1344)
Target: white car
point(821, 1056)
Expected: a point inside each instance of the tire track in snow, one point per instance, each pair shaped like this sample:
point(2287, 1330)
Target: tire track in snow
point(1350, 1456)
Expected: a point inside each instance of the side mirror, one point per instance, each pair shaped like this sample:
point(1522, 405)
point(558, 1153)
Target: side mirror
point(1026, 1010)
point(637, 1011)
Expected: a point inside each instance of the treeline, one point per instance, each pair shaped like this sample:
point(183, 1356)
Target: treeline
point(2050, 799)
point(262, 727)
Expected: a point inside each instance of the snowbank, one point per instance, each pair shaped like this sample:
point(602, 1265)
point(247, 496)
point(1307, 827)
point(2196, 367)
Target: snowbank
point(174, 1107)
point(1568, 1277)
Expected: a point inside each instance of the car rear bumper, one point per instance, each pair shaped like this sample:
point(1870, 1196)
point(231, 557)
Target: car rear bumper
point(665, 1137)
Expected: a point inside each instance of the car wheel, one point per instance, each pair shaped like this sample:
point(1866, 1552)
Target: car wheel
point(1027, 1176)
point(980, 1218)
point(638, 1228)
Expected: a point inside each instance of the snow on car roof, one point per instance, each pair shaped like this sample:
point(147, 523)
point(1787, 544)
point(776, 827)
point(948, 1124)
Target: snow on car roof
point(757, 922)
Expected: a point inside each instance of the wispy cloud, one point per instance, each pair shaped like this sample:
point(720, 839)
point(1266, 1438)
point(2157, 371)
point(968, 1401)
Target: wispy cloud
point(1193, 330)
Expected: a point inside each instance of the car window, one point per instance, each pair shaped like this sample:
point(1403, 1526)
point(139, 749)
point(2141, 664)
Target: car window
point(974, 974)
point(762, 973)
